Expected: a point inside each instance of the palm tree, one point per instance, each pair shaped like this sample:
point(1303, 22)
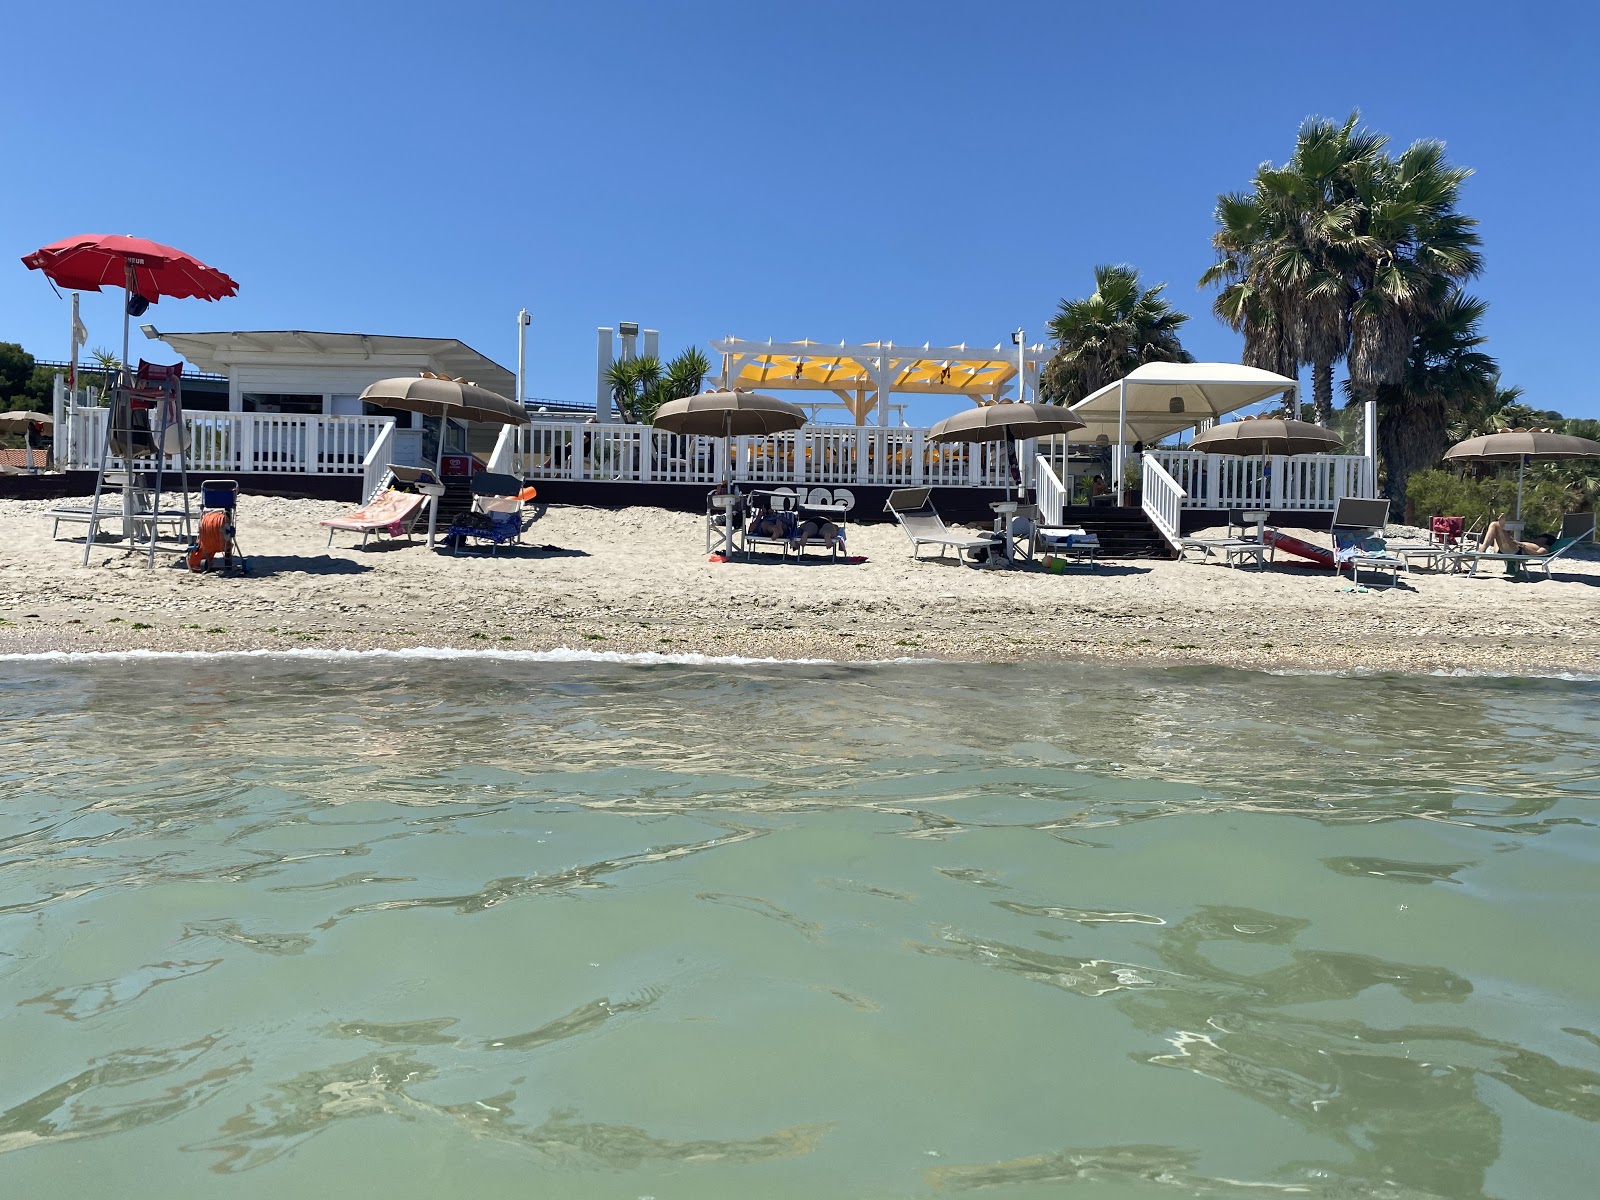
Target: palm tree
point(1502, 409)
point(1414, 249)
point(1102, 337)
point(640, 386)
point(1286, 254)
point(1446, 372)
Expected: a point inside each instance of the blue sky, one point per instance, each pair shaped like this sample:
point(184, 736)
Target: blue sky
point(869, 170)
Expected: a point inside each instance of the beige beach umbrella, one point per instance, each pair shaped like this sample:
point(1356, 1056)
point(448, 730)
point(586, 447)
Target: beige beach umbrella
point(449, 400)
point(18, 420)
point(1267, 435)
point(729, 413)
point(1007, 422)
point(998, 422)
point(1520, 446)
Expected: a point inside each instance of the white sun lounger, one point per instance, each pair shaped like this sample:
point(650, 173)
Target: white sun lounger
point(923, 526)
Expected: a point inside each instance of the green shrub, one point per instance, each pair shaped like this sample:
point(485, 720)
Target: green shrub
point(1446, 494)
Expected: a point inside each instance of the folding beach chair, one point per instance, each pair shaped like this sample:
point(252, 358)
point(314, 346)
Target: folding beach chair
point(497, 517)
point(922, 525)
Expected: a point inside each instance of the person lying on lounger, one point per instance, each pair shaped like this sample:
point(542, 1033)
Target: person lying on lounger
point(1497, 539)
point(769, 525)
point(815, 529)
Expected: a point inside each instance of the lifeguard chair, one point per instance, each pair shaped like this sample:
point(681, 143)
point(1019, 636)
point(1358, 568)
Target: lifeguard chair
point(145, 422)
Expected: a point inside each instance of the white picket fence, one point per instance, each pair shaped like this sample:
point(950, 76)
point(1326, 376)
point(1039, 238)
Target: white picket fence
point(817, 454)
point(1275, 482)
point(247, 443)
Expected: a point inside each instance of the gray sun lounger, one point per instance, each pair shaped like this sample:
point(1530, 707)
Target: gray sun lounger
point(923, 526)
point(1518, 563)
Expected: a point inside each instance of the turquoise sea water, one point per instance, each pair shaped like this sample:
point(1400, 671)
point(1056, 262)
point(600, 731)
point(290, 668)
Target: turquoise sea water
point(498, 928)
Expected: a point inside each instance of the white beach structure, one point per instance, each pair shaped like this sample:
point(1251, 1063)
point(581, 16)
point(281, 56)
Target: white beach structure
point(292, 408)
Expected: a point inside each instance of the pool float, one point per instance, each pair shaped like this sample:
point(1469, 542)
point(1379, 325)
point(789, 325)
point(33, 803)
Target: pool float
point(1320, 555)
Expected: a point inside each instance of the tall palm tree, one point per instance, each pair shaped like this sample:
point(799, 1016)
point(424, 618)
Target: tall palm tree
point(1414, 249)
point(1286, 254)
point(1108, 333)
point(1445, 372)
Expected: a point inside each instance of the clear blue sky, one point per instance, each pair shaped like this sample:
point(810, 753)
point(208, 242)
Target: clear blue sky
point(867, 170)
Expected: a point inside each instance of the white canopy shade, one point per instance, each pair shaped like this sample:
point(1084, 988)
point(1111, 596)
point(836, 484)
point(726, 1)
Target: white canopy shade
point(1156, 399)
point(1163, 398)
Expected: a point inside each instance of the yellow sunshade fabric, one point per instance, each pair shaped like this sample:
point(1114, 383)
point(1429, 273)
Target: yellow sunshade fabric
point(944, 370)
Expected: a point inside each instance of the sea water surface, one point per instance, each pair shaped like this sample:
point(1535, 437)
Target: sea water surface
point(495, 927)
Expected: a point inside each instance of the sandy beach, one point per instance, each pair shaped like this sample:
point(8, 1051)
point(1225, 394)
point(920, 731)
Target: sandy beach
point(638, 579)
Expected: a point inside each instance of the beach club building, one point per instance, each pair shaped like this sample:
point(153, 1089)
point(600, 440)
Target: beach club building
point(291, 421)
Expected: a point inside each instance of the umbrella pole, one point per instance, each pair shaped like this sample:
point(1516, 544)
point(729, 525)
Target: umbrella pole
point(727, 467)
point(438, 478)
point(1522, 461)
point(124, 379)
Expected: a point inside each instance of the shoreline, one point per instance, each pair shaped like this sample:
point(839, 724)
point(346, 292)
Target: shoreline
point(636, 581)
point(652, 658)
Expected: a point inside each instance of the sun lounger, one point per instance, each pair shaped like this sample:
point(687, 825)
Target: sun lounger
point(1358, 543)
point(923, 526)
point(393, 513)
point(1518, 563)
point(140, 501)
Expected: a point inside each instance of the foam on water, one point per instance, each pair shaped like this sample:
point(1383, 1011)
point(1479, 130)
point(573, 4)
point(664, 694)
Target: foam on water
point(444, 654)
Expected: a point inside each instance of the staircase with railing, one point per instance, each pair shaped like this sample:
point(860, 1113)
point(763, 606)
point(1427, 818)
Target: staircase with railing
point(1161, 497)
point(1050, 491)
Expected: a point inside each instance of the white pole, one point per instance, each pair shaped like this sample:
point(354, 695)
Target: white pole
point(523, 321)
point(602, 396)
point(1369, 439)
point(1522, 462)
point(1122, 433)
point(1022, 369)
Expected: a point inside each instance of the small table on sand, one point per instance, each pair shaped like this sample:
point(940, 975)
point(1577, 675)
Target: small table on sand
point(728, 503)
point(1003, 510)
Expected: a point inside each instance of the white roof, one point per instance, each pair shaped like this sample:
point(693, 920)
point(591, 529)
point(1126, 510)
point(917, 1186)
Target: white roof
point(1164, 398)
point(447, 356)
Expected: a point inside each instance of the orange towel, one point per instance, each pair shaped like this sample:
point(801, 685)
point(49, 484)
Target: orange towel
point(213, 540)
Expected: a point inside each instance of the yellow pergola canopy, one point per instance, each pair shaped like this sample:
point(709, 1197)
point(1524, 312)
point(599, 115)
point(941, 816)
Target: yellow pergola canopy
point(863, 374)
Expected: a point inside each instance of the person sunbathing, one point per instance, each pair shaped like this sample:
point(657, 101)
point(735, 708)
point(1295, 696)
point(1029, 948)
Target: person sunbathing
point(1497, 539)
point(815, 528)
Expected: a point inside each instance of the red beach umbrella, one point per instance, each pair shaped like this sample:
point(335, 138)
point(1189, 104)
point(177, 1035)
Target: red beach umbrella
point(94, 260)
point(145, 270)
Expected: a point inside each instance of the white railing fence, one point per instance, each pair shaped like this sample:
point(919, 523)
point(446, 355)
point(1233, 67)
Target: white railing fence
point(246, 443)
point(1161, 496)
point(1051, 492)
point(1276, 482)
point(817, 454)
point(375, 466)
point(827, 455)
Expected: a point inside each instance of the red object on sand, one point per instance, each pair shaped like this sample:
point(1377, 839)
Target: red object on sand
point(95, 260)
point(1320, 555)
